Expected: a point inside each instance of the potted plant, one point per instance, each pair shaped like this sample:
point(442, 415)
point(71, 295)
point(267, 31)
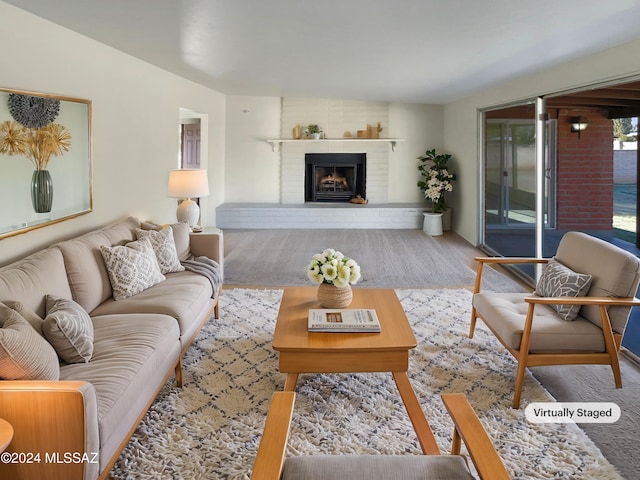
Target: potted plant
point(436, 179)
point(334, 273)
point(314, 131)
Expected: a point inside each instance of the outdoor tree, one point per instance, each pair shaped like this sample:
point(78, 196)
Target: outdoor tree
point(622, 127)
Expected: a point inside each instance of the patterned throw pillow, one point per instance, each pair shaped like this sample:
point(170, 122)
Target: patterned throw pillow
point(164, 247)
point(557, 280)
point(24, 354)
point(132, 268)
point(69, 329)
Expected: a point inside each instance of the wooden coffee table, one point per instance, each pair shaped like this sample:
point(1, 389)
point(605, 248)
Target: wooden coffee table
point(301, 351)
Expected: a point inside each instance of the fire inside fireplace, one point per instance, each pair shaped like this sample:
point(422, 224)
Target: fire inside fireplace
point(334, 177)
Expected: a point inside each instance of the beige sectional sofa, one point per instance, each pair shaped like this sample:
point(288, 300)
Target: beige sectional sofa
point(75, 427)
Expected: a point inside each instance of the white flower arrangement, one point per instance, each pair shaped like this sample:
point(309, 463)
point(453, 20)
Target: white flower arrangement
point(334, 268)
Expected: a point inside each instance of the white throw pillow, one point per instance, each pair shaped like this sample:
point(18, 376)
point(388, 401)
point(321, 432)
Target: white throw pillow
point(132, 268)
point(24, 354)
point(69, 328)
point(164, 247)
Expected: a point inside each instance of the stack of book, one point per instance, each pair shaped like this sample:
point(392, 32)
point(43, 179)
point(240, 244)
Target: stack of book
point(344, 320)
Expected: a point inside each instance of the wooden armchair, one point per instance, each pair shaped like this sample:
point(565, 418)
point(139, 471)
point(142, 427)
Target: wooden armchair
point(270, 461)
point(536, 328)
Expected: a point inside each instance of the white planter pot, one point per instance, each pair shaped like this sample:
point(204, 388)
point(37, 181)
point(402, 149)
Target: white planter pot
point(432, 224)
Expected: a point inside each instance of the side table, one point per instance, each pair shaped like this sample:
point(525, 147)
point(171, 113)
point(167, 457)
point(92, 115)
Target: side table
point(6, 434)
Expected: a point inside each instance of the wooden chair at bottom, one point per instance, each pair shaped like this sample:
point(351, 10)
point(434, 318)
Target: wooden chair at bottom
point(270, 463)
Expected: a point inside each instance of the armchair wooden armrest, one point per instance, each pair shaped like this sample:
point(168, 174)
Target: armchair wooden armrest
point(501, 261)
point(51, 418)
point(271, 452)
point(605, 301)
point(273, 444)
point(469, 429)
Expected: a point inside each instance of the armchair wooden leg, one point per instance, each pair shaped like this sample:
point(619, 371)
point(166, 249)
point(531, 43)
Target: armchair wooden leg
point(178, 373)
point(519, 384)
point(472, 327)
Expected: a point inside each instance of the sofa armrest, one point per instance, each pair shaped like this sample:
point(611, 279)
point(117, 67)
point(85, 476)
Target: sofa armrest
point(469, 429)
point(55, 425)
point(208, 243)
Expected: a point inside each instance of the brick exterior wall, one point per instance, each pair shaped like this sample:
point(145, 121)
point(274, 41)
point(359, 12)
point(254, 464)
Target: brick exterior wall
point(585, 172)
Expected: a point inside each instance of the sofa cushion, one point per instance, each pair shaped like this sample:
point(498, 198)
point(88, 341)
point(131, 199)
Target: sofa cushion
point(181, 238)
point(164, 246)
point(132, 355)
point(30, 279)
point(87, 273)
point(559, 281)
point(132, 268)
point(372, 467)
point(29, 315)
point(69, 329)
point(505, 314)
point(185, 296)
point(24, 354)
point(614, 272)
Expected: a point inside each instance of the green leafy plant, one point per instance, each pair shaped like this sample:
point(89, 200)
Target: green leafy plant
point(313, 128)
point(436, 178)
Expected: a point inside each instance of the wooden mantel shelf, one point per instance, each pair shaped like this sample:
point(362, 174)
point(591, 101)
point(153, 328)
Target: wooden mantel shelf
point(276, 143)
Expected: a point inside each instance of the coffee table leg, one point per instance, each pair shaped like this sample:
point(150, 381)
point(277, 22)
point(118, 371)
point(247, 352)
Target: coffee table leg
point(290, 382)
point(416, 414)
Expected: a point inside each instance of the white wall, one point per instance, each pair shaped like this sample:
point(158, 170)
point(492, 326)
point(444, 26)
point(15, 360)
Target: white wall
point(135, 123)
point(253, 170)
point(461, 137)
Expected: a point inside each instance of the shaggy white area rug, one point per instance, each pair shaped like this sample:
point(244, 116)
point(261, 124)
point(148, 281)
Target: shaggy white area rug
point(211, 428)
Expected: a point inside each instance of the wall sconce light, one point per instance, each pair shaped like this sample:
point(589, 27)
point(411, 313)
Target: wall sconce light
point(579, 124)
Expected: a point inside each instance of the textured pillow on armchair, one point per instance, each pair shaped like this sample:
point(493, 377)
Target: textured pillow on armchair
point(557, 280)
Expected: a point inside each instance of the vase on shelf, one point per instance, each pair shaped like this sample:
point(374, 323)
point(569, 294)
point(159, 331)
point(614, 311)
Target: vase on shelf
point(41, 191)
point(432, 224)
point(331, 296)
point(315, 136)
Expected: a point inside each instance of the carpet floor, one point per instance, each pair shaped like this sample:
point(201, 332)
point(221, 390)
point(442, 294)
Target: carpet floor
point(211, 428)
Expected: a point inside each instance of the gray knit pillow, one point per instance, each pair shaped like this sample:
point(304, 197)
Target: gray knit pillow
point(24, 354)
point(69, 329)
point(557, 280)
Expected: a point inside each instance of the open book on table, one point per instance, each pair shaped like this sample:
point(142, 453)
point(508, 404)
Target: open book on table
point(343, 320)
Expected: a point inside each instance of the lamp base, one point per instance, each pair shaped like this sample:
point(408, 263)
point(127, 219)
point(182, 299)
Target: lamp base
point(188, 210)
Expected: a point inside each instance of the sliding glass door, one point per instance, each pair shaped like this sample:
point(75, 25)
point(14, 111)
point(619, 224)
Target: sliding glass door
point(510, 181)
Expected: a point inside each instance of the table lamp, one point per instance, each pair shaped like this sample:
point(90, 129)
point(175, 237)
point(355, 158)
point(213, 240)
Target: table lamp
point(188, 184)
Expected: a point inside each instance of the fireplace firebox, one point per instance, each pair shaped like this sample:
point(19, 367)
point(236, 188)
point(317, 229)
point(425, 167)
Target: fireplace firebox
point(334, 177)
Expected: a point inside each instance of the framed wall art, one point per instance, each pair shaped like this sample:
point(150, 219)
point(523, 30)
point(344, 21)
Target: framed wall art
point(45, 160)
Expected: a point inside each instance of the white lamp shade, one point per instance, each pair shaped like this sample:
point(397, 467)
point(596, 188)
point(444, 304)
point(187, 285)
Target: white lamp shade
point(188, 183)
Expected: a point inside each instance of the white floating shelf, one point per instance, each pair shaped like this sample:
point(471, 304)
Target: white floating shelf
point(276, 143)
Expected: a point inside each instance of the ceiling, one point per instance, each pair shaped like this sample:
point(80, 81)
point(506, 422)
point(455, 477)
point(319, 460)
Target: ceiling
point(415, 51)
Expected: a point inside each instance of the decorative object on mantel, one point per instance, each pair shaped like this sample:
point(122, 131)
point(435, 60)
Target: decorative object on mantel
point(314, 131)
point(436, 181)
point(296, 132)
point(359, 200)
point(334, 273)
point(38, 145)
point(276, 143)
point(347, 134)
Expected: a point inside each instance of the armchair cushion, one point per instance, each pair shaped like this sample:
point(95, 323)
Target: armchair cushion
point(505, 314)
point(557, 280)
point(372, 467)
